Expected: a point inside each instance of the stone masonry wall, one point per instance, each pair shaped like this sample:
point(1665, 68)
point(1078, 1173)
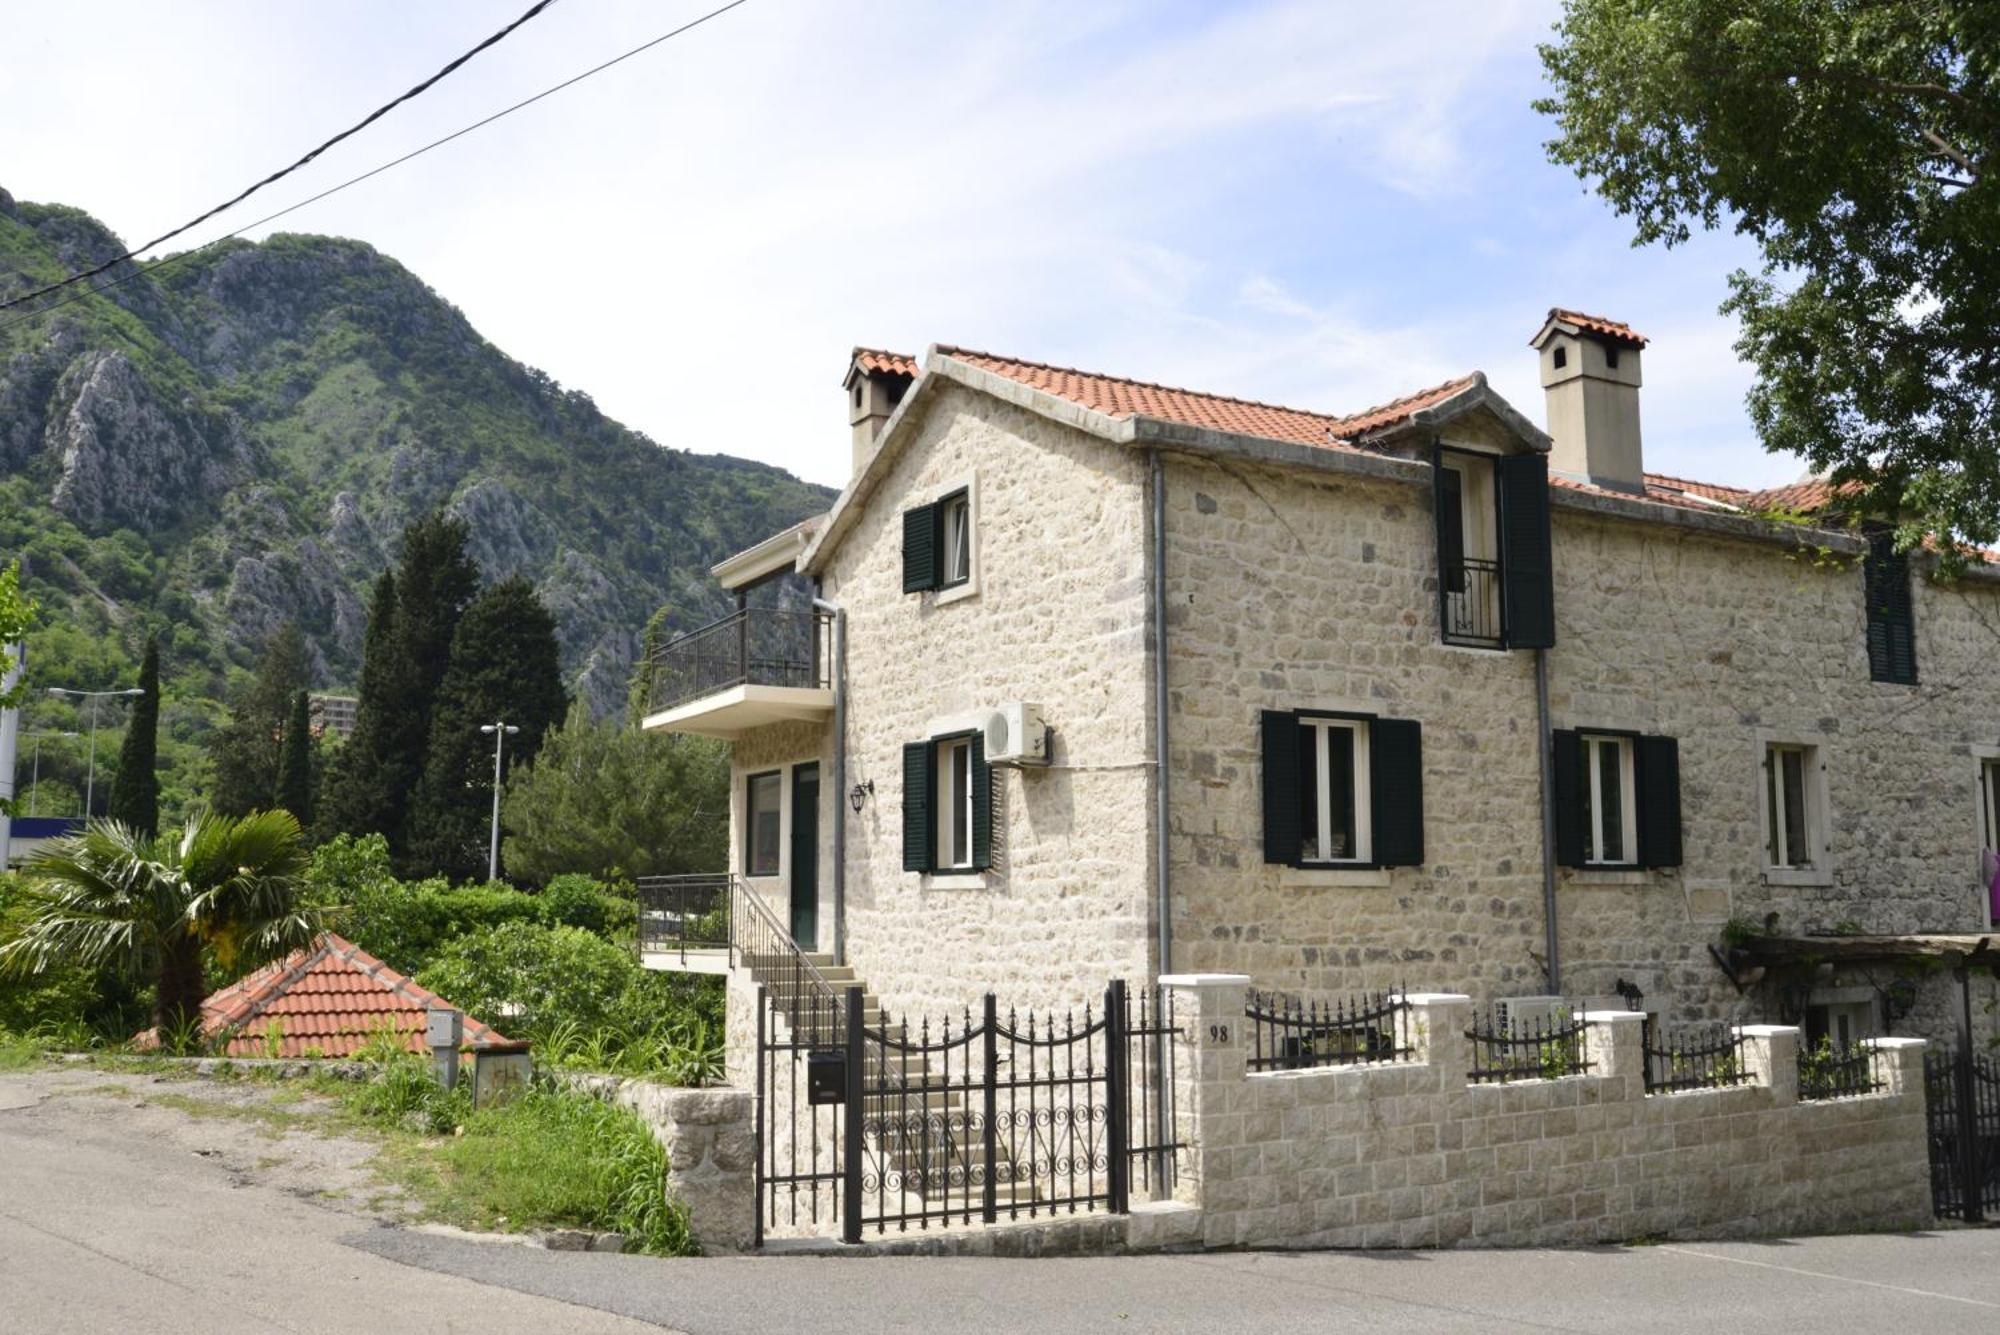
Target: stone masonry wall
point(1291, 590)
point(1059, 618)
point(1410, 1155)
point(710, 1138)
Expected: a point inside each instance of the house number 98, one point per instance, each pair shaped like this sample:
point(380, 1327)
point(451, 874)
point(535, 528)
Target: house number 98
point(1218, 1033)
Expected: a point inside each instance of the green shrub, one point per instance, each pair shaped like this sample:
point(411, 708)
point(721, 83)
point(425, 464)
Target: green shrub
point(574, 900)
point(405, 923)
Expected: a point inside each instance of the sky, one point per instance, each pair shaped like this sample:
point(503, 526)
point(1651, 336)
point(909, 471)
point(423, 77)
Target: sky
point(1321, 203)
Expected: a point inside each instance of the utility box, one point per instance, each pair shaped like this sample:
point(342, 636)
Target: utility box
point(500, 1071)
point(826, 1077)
point(443, 1027)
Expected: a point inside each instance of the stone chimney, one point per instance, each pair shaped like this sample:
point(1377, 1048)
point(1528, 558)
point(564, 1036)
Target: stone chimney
point(876, 382)
point(1590, 373)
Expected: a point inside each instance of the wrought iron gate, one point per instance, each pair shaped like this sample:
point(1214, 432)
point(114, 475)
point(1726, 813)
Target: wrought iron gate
point(874, 1124)
point(1962, 1107)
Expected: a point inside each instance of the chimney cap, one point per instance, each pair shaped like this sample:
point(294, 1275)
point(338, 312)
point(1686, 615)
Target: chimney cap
point(1565, 321)
point(874, 361)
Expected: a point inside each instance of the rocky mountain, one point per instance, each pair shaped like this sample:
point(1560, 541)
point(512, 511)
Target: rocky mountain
point(235, 440)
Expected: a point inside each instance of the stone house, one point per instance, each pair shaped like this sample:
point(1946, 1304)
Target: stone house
point(1104, 679)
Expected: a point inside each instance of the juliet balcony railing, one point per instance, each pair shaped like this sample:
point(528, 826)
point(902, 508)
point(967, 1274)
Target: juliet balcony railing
point(752, 646)
point(1471, 604)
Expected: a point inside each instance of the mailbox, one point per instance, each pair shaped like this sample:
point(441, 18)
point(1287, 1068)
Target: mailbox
point(826, 1077)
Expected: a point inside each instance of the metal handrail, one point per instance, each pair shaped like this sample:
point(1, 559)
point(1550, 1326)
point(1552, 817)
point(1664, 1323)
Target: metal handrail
point(754, 646)
point(810, 1001)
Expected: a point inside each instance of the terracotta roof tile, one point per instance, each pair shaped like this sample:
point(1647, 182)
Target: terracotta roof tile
point(1115, 396)
point(1714, 491)
point(1811, 495)
point(328, 999)
point(874, 359)
point(1616, 330)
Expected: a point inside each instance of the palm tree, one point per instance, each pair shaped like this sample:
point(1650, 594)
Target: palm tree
point(159, 910)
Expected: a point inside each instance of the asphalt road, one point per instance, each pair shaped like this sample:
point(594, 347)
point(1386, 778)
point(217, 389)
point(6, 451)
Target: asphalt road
point(117, 1213)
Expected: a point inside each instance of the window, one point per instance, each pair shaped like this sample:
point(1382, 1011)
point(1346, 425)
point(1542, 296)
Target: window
point(947, 805)
point(955, 523)
point(1560, 357)
point(1609, 801)
point(1611, 355)
point(1333, 790)
point(1617, 799)
point(1892, 631)
point(941, 545)
point(762, 809)
point(1792, 834)
point(1342, 790)
point(1496, 585)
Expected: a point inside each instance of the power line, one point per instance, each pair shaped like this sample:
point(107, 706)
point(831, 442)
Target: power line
point(353, 129)
point(377, 171)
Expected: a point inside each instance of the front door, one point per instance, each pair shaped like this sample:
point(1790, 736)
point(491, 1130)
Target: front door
point(805, 855)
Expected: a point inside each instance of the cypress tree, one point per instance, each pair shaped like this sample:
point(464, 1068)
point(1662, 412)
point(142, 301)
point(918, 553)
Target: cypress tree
point(358, 798)
point(435, 582)
point(295, 764)
point(135, 793)
point(505, 666)
point(639, 692)
point(245, 750)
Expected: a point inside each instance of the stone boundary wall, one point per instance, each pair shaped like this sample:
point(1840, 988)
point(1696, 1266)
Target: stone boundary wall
point(710, 1139)
point(1410, 1155)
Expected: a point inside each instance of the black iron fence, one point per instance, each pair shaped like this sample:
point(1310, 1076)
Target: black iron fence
point(682, 913)
point(1508, 1044)
point(1962, 1117)
point(1471, 600)
point(980, 1117)
point(1830, 1072)
point(1287, 1034)
point(752, 646)
point(1696, 1057)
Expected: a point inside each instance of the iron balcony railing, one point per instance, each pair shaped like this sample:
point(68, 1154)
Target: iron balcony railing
point(752, 646)
point(718, 911)
point(1472, 604)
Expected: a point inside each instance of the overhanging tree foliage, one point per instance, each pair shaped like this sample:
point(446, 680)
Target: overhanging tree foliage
point(1849, 139)
point(612, 801)
point(17, 618)
point(135, 793)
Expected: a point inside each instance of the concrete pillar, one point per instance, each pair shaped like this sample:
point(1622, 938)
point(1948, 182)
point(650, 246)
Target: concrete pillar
point(1772, 1053)
point(1209, 1070)
point(1438, 1022)
point(1899, 1064)
point(1614, 1043)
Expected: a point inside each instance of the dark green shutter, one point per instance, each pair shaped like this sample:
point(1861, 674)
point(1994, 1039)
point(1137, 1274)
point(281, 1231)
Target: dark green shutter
point(1566, 774)
point(1396, 791)
point(920, 549)
point(982, 805)
point(1284, 839)
point(1448, 500)
point(1527, 563)
point(918, 828)
point(1892, 631)
point(1658, 780)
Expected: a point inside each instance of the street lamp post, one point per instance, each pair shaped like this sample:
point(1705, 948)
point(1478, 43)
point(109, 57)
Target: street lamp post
point(501, 731)
point(35, 771)
point(90, 783)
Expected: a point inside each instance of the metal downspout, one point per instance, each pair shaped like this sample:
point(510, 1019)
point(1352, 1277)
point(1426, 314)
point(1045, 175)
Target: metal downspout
point(1163, 840)
point(840, 812)
point(1548, 821)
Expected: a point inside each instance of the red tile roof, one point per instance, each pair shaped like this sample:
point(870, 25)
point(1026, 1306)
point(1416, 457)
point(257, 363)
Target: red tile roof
point(874, 359)
point(1811, 495)
point(1616, 330)
point(1714, 491)
point(327, 1000)
point(1115, 396)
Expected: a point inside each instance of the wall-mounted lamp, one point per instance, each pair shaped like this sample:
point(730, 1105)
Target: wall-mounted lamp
point(860, 793)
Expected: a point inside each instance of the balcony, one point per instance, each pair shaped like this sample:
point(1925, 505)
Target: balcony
point(684, 922)
point(1471, 604)
point(756, 666)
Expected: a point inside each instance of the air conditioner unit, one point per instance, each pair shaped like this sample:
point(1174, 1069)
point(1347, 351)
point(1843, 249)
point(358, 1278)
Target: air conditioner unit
point(1016, 735)
point(1519, 1016)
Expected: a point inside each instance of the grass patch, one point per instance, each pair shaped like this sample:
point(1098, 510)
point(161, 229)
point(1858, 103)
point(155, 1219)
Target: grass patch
point(551, 1158)
point(19, 1052)
point(274, 1121)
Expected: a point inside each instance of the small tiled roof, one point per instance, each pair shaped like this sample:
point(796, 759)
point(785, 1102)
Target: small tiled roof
point(326, 1000)
point(1808, 496)
point(1115, 396)
point(1616, 330)
point(1714, 491)
point(874, 359)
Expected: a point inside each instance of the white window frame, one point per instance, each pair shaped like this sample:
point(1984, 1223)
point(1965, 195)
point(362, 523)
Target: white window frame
point(1594, 745)
point(1818, 869)
point(953, 816)
point(1318, 729)
point(955, 511)
point(969, 586)
point(1988, 759)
